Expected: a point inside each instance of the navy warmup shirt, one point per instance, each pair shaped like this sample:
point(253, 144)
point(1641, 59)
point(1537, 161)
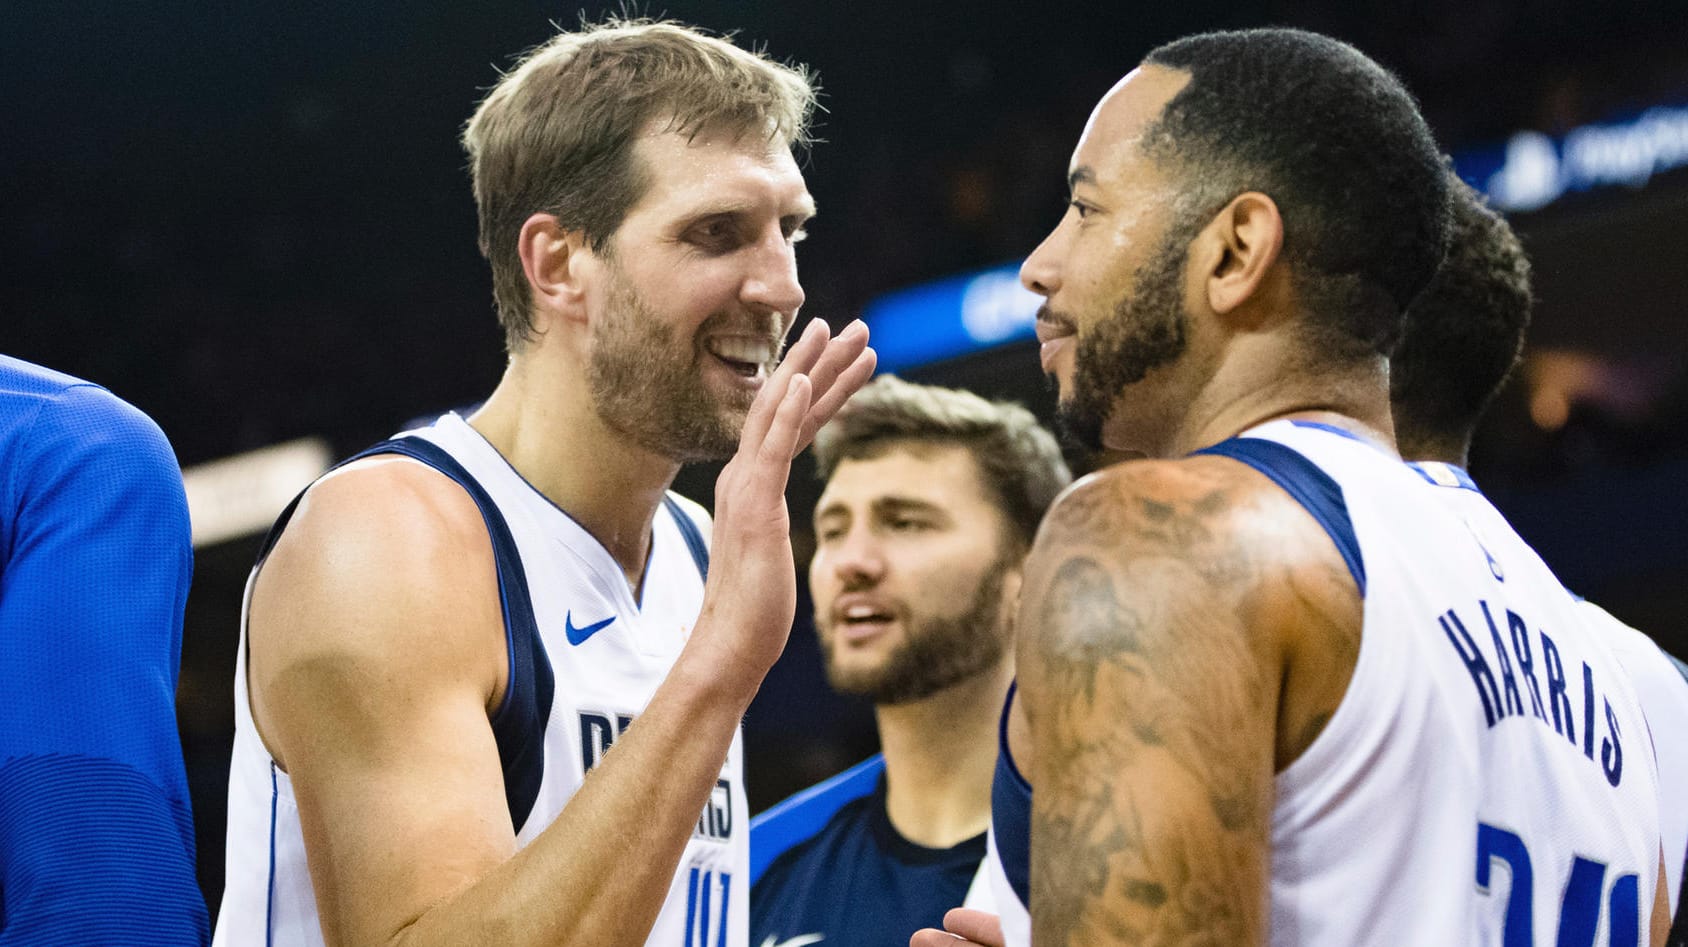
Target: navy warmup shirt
point(827, 863)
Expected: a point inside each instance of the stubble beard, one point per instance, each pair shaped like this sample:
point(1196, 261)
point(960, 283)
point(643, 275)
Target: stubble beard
point(1147, 329)
point(935, 653)
point(649, 387)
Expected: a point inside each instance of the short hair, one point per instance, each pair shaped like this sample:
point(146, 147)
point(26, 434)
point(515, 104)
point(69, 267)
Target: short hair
point(1018, 460)
point(1464, 333)
point(556, 134)
point(1338, 143)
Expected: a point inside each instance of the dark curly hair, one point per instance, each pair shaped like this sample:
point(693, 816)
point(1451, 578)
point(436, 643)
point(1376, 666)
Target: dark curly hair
point(1338, 143)
point(1464, 333)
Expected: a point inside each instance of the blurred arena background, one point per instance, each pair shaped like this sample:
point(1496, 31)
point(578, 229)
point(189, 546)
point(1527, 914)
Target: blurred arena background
point(253, 221)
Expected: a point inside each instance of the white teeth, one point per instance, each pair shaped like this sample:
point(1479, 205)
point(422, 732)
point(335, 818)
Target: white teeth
point(739, 348)
point(858, 612)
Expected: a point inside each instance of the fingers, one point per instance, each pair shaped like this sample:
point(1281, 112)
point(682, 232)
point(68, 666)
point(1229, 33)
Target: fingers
point(839, 355)
point(975, 926)
point(802, 355)
point(781, 443)
point(935, 938)
point(849, 381)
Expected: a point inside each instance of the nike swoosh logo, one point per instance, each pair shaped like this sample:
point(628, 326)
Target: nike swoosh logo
point(578, 636)
point(801, 940)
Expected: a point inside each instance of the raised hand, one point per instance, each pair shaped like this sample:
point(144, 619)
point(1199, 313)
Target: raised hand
point(752, 593)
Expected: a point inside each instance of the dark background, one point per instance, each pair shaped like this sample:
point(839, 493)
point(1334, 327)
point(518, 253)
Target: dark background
point(253, 222)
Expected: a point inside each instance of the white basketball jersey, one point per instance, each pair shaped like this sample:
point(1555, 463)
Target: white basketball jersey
point(1659, 684)
point(1488, 777)
point(585, 660)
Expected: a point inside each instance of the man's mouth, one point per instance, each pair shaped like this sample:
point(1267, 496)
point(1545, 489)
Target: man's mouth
point(861, 620)
point(1051, 326)
point(744, 355)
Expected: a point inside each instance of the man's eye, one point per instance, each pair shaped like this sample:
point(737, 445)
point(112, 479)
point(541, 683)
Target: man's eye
point(717, 234)
point(905, 524)
point(1082, 210)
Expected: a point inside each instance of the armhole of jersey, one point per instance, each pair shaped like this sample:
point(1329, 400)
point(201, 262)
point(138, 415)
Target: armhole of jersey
point(797, 819)
point(518, 726)
point(1309, 486)
point(1011, 812)
point(690, 533)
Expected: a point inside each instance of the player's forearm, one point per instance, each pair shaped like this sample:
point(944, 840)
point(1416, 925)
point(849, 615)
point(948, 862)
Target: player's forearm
point(600, 873)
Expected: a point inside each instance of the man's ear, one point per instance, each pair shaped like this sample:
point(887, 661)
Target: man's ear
point(556, 262)
point(1244, 241)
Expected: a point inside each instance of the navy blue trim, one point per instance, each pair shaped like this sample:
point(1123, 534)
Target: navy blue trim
point(1329, 428)
point(1438, 474)
point(1003, 752)
point(1011, 812)
point(1307, 485)
point(797, 819)
point(269, 899)
point(691, 534)
point(518, 726)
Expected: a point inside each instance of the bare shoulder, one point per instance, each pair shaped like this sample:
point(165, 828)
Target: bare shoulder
point(1209, 564)
point(385, 574)
point(1192, 506)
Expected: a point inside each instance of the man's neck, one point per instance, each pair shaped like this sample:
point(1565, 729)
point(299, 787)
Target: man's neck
point(1249, 392)
point(542, 420)
point(940, 754)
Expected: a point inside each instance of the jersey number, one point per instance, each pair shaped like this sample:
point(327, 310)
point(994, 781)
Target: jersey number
point(700, 889)
point(1579, 913)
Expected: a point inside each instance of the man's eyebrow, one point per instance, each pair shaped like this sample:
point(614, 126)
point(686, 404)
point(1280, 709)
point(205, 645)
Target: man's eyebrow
point(900, 503)
point(1080, 175)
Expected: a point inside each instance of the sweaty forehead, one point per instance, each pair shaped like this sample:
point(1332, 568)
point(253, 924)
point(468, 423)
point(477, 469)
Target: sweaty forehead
point(738, 172)
point(1116, 126)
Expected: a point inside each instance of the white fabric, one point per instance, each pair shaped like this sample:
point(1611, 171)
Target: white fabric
point(1010, 910)
point(1664, 696)
point(1375, 828)
point(611, 675)
point(1658, 685)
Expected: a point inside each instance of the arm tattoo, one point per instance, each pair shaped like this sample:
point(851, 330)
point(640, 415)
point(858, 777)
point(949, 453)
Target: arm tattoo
point(1152, 698)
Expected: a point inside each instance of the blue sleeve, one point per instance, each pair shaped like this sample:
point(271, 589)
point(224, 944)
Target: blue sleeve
point(96, 832)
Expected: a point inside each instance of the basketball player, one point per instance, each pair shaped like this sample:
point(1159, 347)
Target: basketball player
point(96, 831)
point(1256, 696)
point(932, 498)
point(1463, 336)
point(448, 633)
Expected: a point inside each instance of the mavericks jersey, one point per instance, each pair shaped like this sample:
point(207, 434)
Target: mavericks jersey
point(1488, 777)
point(1660, 681)
point(585, 658)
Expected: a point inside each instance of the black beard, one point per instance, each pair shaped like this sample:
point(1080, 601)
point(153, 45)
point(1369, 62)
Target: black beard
point(1146, 330)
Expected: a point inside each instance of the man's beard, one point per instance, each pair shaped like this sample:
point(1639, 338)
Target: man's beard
point(935, 653)
point(1146, 330)
point(650, 388)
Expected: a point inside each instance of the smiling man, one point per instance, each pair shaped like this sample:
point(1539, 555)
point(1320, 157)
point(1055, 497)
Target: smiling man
point(446, 634)
point(1270, 689)
point(933, 496)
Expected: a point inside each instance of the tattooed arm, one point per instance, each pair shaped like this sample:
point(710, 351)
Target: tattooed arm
point(1180, 618)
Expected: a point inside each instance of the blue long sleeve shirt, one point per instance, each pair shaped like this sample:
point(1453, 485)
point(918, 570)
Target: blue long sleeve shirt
point(96, 831)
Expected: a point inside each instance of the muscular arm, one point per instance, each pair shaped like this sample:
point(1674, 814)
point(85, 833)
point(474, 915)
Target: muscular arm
point(1153, 657)
point(96, 837)
point(376, 648)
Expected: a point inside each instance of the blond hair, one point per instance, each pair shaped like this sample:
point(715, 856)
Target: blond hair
point(556, 134)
